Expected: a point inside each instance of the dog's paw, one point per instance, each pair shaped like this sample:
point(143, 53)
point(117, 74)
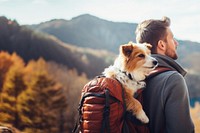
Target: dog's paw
point(142, 117)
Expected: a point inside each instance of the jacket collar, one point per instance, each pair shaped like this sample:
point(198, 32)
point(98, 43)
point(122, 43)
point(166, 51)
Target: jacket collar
point(165, 61)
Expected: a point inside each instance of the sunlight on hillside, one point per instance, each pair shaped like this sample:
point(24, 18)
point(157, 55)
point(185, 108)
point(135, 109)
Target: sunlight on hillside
point(195, 112)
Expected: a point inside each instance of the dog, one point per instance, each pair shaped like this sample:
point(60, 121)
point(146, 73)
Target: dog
point(130, 68)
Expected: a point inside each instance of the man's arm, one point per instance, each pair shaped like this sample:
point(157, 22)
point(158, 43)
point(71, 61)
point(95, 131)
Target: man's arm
point(176, 105)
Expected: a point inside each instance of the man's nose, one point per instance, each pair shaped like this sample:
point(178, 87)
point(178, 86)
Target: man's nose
point(176, 42)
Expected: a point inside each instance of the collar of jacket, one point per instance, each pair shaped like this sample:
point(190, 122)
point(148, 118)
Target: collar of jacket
point(165, 61)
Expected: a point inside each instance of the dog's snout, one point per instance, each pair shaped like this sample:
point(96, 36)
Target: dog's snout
point(155, 62)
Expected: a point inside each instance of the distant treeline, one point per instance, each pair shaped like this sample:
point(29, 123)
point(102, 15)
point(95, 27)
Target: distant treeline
point(39, 96)
point(30, 44)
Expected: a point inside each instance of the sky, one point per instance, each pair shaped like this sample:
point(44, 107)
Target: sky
point(184, 14)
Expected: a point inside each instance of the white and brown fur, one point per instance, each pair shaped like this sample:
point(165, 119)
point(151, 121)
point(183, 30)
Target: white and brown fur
point(131, 68)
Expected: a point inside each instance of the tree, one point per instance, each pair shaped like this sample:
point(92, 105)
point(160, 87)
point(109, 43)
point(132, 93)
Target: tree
point(43, 101)
point(5, 63)
point(12, 87)
point(72, 83)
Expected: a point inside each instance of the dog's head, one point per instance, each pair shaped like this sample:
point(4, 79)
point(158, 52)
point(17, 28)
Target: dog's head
point(136, 59)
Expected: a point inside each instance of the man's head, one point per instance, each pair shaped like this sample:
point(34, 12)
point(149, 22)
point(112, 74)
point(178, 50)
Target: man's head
point(159, 35)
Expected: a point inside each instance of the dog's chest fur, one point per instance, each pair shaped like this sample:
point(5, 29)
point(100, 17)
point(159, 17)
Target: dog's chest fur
point(123, 78)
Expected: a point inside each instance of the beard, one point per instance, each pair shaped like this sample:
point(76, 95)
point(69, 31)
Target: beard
point(171, 54)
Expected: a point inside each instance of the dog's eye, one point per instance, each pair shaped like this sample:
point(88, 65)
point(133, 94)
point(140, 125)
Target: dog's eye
point(141, 55)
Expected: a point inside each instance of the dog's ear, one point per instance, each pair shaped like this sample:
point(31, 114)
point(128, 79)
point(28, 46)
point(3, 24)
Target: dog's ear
point(149, 46)
point(126, 49)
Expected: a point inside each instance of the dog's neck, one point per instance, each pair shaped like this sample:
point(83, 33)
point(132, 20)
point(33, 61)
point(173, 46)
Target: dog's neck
point(139, 75)
point(135, 76)
point(131, 77)
point(128, 79)
point(136, 79)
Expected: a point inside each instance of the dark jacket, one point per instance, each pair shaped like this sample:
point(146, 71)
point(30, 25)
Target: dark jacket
point(166, 100)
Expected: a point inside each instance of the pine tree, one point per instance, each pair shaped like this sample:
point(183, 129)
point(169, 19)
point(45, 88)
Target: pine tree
point(12, 87)
point(43, 101)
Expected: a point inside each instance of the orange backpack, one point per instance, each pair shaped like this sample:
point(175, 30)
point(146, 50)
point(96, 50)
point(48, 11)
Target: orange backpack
point(102, 108)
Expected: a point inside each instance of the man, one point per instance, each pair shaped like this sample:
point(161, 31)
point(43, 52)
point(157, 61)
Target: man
point(166, 100)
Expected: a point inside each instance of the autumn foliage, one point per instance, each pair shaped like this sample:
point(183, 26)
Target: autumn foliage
point(38, 97)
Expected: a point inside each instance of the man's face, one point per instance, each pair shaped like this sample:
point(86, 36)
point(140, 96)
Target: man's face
point(171, 45)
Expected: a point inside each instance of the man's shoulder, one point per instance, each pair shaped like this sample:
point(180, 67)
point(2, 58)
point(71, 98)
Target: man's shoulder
point(171, 78)
point(170, 75)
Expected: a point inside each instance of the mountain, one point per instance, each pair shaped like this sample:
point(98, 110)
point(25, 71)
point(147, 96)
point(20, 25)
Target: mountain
point(30, 45)
point(189, 53)
point(89, 31)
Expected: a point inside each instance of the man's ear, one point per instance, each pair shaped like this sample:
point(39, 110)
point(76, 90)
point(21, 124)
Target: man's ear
point(126, 49)
point(161, 45)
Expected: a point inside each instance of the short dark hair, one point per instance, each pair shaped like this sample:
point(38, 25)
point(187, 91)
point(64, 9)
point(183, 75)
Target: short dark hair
point(151, 31)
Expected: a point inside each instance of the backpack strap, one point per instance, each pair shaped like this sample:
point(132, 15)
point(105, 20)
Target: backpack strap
point(157, 71)
point(125, 128)
point(106, 113)
point(79, 119)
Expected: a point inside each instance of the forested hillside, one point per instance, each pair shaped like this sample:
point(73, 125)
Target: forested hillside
point(30, 44)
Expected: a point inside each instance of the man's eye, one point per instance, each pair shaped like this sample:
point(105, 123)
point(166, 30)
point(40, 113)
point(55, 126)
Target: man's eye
point(141, 55)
